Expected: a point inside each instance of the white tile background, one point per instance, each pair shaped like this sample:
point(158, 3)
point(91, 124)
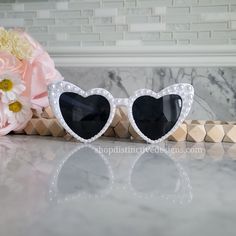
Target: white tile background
point(86, 23)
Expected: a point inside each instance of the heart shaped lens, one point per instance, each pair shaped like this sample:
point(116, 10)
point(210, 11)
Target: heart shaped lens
point(85, 116)
point(156, 117)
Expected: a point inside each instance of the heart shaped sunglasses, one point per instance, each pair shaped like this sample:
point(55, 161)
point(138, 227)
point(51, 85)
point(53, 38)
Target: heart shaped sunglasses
point(86, 115)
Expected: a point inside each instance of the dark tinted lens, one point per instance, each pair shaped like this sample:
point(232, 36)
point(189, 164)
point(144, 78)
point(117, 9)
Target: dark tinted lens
point(85, 116)
point(156, 117)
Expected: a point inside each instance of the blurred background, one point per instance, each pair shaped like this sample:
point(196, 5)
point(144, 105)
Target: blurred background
point(87, 23)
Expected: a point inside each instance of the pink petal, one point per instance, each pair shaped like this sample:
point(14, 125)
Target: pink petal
point(8, 129)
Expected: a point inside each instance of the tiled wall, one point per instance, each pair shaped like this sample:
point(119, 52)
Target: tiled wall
point(123, 22)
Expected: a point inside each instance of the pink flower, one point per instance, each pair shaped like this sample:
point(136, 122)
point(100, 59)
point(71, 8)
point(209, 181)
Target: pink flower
point(37, 74)
point(9, 63)
point(33, 76)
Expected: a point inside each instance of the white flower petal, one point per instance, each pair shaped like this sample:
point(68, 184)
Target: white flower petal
point(20, 117)
point(11, 96)
point(19, 89)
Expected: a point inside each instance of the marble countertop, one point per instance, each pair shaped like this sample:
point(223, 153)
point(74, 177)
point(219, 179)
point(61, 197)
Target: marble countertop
point(53, 187)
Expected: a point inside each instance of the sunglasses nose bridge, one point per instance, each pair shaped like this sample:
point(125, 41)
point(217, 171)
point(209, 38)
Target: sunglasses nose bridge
point(121, 101)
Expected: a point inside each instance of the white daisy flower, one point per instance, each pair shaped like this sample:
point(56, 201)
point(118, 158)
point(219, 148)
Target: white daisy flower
point(10, 86)
point(18, 111)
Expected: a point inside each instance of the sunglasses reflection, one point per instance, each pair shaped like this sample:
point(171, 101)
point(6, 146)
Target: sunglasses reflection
point(83, 173)
point(88, 173)
point(37, 180)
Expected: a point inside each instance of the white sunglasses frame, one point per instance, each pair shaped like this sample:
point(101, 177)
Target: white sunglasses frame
point(185, 91)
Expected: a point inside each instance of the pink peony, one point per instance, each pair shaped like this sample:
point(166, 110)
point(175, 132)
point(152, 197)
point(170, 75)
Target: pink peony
point(9, 63)
point(35, 74)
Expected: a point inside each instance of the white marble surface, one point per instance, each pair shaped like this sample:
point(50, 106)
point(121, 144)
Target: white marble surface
point(215, 88)
point(52, 187)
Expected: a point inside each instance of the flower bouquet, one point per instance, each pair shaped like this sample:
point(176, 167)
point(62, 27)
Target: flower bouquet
point(25, 71)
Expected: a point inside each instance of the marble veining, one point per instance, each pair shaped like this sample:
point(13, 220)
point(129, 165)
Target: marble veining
point(215, 88)
point(50, 187)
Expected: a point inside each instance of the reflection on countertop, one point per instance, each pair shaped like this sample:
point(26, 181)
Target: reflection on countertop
point(50, 187)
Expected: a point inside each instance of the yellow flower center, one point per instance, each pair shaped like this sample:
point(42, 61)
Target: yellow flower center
point(15, 106)
point(6, 85)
